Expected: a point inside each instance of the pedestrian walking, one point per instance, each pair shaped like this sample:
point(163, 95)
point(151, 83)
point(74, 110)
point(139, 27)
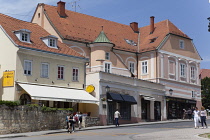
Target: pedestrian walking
point(184, 114)
point(193, 108)
point(67, 121)
point(78, 117)
point(116, 117)
point(189, 113)
point(71, 123)
point(196, 114)
point(203, 115)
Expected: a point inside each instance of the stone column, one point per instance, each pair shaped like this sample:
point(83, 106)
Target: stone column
point(152, 115)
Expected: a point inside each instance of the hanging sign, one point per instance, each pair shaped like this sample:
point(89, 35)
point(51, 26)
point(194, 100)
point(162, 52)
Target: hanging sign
point(90, 88)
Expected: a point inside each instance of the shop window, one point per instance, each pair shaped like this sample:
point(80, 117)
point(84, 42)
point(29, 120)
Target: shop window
point(125, 111)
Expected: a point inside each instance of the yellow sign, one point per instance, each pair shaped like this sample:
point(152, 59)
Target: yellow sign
point(8, 78)
point(90, 88)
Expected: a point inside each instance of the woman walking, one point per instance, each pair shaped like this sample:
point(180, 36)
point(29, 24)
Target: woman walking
point(203, 115)
point(196, 114)
point(71, 123)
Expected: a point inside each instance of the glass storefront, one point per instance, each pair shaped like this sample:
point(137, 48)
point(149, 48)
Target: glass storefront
point(175, 107)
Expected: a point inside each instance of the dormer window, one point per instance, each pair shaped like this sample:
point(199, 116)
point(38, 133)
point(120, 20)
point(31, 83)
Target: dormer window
point(50, 41)
point(23, 35)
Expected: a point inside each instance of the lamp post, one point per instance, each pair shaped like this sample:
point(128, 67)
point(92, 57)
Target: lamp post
point(170, 91)
point(107, 89)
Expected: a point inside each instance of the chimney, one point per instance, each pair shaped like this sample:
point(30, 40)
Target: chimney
point(152, 26)
point(61, 9)
point(134, 26)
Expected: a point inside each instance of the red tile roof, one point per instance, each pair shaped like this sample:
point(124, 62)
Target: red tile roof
point(204, 73)
point(85, 28)
point(10, 25)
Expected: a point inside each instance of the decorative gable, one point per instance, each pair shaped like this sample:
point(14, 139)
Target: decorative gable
point(50, 41)
point(23, 35)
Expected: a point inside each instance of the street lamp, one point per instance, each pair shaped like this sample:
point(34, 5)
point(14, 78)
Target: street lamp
point(170, 91)
point(107, 89)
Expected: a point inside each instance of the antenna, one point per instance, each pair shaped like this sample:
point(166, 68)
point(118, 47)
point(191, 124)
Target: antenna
point(74, 5)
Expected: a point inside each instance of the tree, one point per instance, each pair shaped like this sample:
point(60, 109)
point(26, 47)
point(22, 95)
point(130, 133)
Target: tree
point(205, 94)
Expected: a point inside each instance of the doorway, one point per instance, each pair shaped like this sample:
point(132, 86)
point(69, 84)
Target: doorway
point(110, 114)
point(145, 109)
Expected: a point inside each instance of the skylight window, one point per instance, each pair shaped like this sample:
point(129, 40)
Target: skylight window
point(130, 42)
point(153, 39)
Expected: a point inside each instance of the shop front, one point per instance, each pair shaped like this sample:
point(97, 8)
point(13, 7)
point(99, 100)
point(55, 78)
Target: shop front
point(121, 102)
point(175, 107)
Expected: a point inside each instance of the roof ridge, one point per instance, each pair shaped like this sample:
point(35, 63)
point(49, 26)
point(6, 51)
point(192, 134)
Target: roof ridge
point(91, 16)
point(12, 18)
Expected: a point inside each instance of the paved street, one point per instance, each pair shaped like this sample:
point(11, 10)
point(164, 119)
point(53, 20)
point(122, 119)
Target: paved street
point(157, 131)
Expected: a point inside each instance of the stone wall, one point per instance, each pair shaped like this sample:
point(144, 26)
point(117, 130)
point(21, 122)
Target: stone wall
point(21, 119)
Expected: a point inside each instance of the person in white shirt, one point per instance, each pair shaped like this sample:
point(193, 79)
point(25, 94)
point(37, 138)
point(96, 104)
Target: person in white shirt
point(196, 114)
point(116, 117)
point(203, 115)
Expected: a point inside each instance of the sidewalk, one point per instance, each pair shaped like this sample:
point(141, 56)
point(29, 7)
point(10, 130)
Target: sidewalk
point(190, 132)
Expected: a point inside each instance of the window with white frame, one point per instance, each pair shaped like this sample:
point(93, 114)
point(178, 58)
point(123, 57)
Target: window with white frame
point(27, 67)
point(192, 72)
point(181, 44)
point(107, 56)
point(44, 70)
point(51, 42)
point(182, 70)
point(131, 66)
point(75, 74)
point(60, 72)
point(193, 94)
point(144, 66)
point(107, 67)
point(171, 67)
point(25, 37)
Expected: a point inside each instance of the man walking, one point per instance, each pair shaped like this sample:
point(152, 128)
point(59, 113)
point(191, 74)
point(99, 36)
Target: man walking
point(116, 117)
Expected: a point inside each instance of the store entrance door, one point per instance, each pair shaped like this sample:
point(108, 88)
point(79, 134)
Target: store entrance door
point(145, 109)
point(111, 110)
point(157, 110)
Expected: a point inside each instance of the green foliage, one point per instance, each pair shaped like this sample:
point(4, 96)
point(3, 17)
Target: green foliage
point(67, 109)
point(44, 108)
point(9, 103)
point(205, 92)
point(48, 109)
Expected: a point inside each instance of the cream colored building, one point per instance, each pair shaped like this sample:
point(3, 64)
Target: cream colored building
point(46, 71)
point(158, 56)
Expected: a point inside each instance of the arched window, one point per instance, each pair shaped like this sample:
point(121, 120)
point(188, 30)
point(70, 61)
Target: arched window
point(25, 99)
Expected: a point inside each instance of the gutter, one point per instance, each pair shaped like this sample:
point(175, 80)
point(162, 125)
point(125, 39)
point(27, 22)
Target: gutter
point(48, 52)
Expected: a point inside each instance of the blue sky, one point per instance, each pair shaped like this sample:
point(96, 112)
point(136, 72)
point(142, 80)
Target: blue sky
point(190, 16)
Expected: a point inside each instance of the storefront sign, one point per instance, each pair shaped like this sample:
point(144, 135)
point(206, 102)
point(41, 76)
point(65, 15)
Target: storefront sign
point(8, 78)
